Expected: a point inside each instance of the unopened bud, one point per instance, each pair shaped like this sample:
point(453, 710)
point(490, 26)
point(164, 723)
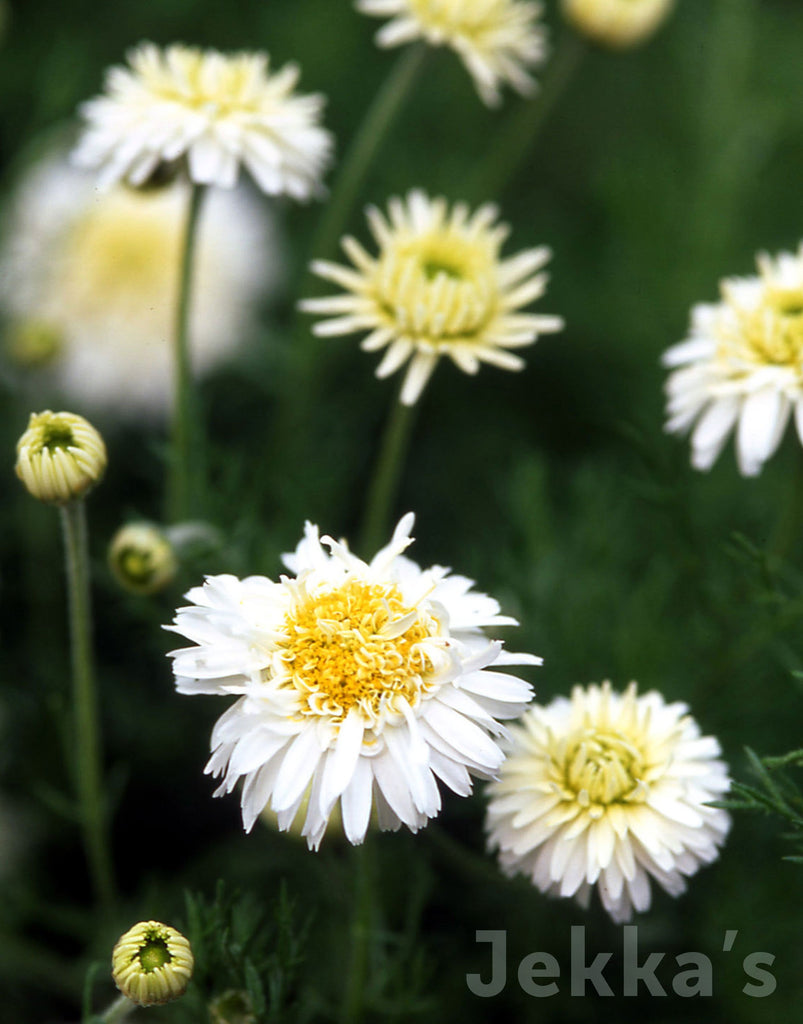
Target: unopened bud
point(617, 23)
point(152, 963)
point(32, 344)
point(60, 456)
point(142, 558)
point(232, 1007)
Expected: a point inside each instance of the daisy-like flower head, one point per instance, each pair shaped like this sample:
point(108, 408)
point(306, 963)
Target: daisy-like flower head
point(363, 682)
point(742, 366)
point(497, 40)
point(60, 456)
point(88, 282)
point(617, 23)
point(152, 963)
point(608, 789)
point(218, 111)
point(437, 287)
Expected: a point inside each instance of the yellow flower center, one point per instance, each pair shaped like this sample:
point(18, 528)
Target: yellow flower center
point(772, 334)
point(218, 86)
point(123, 255)
point(468, 18)
point(440, 287)
point(357, 646)
point(602, 768)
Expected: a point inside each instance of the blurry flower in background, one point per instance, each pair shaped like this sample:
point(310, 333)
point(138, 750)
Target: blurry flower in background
point(60, 457)
point(89, 283)
point(742, 366)
point(497, 40)
point(617, 23)
point(608, 789)
point(152, 963)
point(437, 287)
point(142, 558)
point(219, 111)
point(358, 682)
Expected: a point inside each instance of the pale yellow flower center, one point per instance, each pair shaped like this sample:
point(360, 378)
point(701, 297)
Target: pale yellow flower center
point(226, 90)
point(441, 286)
point(124, 255)
point(772, 334)
point(602, 767)
point(468, 18)
point(357, 646)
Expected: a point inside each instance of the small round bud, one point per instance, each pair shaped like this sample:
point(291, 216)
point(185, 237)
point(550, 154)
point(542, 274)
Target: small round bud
point(60, 456)
point(142, 558)
point(34, 343)
point(617, 23)
point(152, 963)
point(232, 1007)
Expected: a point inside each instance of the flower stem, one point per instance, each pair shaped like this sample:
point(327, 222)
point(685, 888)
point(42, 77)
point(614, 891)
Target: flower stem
point(186, 434)
point(87, 732)
point(508, 150)
point(361, 929)
point(376, 124)
point(384, 485)
point(118, 1010)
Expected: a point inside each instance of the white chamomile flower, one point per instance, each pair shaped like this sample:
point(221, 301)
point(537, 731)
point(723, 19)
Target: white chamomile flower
point(497, 40)
point(89, 281)
point(437, 287)
point(219, 111)
point(608, 790)
point(742, 366)
point(358, 682)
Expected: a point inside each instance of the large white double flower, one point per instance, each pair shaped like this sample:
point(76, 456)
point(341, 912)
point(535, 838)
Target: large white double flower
point(358, 682)
point(741, 366)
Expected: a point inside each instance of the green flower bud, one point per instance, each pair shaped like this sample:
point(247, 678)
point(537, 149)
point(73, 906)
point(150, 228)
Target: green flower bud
point(152, 963)
point(142, 558)
point(60, 456)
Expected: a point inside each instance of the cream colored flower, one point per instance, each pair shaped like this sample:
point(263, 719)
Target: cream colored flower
point(89, 283)
point(437, 287)
point(617, 23)
point(742, 366)
point(608, 790)
point(216, 110)
point(60, 456)
point(497, 40)
point(152, 963)
point(359, 683)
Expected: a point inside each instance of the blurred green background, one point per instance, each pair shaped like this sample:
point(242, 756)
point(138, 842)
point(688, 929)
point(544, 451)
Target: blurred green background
point(659, 172)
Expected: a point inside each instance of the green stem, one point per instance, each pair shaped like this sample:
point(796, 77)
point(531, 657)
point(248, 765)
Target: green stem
point(384, 485)
point(186, 433)
point(118, 1010)
point(376, 124)
point(787, 526)
point(508, 150)
point(87, 732)
point(361, 930)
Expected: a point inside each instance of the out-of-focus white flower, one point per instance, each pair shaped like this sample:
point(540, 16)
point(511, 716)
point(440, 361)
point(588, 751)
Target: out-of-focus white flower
point(438, 287)
point(219, 111)
point(617, 23)
point(497, 40)
point(608, 790)
point(89, 283)
point(742, 366)
point(358, 682)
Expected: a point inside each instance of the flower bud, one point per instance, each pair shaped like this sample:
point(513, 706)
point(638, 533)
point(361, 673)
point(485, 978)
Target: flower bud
point(232, 1007)
point(142, 558)
point(617, 23)
point(152, 963)
point(60, 456)
point(34, 343)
